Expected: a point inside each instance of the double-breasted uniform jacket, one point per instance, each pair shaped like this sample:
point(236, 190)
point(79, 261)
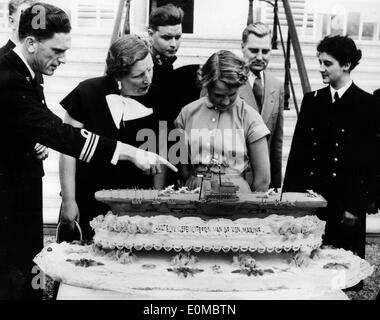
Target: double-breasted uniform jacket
point(273, 115)
point(334, 152)
point(25, 120)
point(10, 45)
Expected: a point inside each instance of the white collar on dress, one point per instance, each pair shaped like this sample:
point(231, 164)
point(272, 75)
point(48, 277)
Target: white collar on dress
point(124, 108)
point(210, 105)
point(17, 50)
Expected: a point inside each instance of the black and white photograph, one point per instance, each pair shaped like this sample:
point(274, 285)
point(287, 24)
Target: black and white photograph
point(195, 153)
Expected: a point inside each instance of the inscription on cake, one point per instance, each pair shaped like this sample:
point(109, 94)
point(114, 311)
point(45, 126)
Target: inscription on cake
point(206, 230)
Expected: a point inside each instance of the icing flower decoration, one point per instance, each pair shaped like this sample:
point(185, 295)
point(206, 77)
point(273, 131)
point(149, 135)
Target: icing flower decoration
point(296, 228)
point(118, 226)
point(145, 227)
point(300, 260)
point(285, 228)
point(97, 222)
point(307, 226)
point(183, 265)
point(247, 265)
point(132, 228)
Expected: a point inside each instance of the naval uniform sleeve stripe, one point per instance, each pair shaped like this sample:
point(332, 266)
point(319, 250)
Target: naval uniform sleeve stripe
point(88, 136)
point(93, 148)
point(88, 151)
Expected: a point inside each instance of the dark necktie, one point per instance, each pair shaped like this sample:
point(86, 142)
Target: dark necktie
point(38, 82)
point(336, 96)
point(258, 91)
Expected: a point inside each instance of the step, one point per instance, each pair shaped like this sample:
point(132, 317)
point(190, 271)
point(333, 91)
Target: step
point(373, 224)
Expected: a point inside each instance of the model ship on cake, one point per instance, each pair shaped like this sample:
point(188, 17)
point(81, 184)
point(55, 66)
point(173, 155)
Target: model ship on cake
point(215, 197)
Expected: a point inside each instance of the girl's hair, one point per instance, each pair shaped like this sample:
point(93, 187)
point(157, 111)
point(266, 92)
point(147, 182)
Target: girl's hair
point(224, 66)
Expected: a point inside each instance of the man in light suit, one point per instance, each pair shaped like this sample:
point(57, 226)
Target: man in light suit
point(264, 92)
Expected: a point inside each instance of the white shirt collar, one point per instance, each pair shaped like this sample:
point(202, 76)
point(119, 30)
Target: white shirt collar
point(341, 91)
point(18, 51)
point(124, 108)
point(252, 77)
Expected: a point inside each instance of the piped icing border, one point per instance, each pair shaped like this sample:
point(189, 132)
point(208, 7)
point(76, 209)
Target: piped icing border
point(272, 234)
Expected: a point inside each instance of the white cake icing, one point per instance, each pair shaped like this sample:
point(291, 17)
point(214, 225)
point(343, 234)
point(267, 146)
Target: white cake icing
point(273, 233)
point(212, 273)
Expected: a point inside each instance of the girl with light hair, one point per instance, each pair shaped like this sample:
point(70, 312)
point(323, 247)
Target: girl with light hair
point(221, 128)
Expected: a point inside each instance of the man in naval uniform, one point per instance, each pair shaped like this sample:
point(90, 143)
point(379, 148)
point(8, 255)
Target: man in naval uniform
point(15, 8)
point(335, 148)
point(44, 34)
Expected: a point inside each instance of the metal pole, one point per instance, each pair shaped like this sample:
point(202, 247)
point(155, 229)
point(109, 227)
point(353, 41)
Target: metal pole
point(250, 13)
point(275, 24)
point(287, 74)
point(297, 48)
point(119, 17)
point(127, 26)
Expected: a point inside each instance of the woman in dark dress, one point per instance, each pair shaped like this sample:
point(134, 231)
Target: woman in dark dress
point(107, 105)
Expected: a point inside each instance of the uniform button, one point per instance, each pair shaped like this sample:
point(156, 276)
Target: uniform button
point(334, 175)
point(213, 120)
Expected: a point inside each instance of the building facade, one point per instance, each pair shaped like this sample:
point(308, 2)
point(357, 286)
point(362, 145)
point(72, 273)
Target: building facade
point(221, 19)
